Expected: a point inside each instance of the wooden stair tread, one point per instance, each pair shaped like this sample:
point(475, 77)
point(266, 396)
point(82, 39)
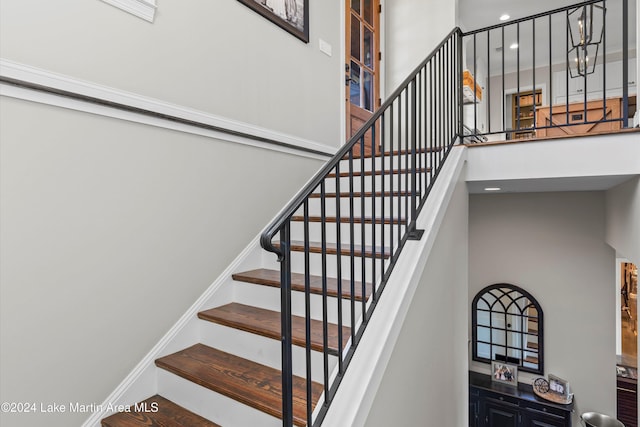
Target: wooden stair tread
point(157, 412)
point(271, 278)
point(531, 359)
point(532, 345)
point(332, 249)
point(356, 220)
point(267, 323)
point(248, 382)
point(378, 172)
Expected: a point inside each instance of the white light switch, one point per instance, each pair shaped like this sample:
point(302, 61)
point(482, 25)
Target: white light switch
point(325, 47)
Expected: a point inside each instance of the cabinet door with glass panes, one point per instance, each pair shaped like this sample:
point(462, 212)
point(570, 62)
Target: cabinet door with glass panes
point(523, 114)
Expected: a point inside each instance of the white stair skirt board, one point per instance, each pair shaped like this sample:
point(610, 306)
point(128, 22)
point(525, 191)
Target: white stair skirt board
point(353, 400)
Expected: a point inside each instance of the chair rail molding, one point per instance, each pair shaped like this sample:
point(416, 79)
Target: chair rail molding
point(29, 83)
point(145, 9)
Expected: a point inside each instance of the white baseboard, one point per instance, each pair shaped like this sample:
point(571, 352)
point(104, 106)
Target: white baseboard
point(141, 382)
point(16, 71)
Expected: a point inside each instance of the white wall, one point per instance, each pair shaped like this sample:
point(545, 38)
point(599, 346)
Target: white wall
point(623, 219)
point(413, 29)
point(425, 382)
point(219, 57)
point(553, 245)
point(110, 231)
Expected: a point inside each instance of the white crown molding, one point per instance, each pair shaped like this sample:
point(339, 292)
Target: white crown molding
point(145, 9)
point(13, 70)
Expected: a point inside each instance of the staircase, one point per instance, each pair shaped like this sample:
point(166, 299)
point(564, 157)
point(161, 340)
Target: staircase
point(273, 344)
point(251, 381)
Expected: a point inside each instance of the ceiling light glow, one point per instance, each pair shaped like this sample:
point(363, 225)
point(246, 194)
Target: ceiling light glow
point(513, 46)
point(492, 189)
point(504, 17)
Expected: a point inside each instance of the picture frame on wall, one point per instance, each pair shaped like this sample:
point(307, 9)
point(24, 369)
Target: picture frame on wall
point(290, 15)
point(504, 373)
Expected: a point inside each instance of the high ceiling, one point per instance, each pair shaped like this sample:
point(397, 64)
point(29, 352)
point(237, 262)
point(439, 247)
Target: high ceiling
point(476, 14)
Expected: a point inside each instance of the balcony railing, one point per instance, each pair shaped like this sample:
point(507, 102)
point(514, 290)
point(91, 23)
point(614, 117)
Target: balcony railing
point(562, 72)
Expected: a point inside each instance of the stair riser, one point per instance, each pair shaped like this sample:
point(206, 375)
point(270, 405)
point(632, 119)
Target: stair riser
point(389, 162)
point(211, 405)
point(391, 182)
point(263, 350)
point(331, 204)
point(269, 298)
point(315, 265)
point(315, 233)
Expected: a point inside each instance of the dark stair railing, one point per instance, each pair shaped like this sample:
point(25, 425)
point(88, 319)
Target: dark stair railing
point(405, 143)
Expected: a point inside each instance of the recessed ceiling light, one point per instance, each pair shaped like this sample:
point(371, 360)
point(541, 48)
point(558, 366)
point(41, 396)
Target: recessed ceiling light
point(513, 46)
point(492, 189)
point(504, 17)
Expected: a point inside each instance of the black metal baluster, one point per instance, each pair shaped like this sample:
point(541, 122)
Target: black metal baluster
point(460, 88)
point(339, 267)
point(285, 325)
point(535, 94)
point(604, 59)
point(383, 201)
point(489, 80)
point(399, 166)
point(363, 237)
point(391, 176)
point(432, 123)
point(411, 217)
point(352, 264)
point(473, 89)
point(307, 311)
point(504, 115)
point(518, 75)
point(625, 63)
point(551, 102)
point(325, 331)
point(373, 217)
point(567, 70)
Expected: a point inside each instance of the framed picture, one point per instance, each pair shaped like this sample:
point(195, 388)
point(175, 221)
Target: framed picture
point(504, 373)
point(559, 386)
point(290, 15)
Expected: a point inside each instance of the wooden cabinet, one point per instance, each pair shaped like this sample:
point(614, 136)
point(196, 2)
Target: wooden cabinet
point(594, 113)
point(627, 409)
point(498, 405)
point(524, 105)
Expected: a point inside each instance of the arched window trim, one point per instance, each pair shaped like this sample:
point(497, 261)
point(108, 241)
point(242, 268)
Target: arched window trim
point(497, 293)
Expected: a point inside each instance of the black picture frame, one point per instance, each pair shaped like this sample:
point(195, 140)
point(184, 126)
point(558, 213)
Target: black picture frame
point(290, 15)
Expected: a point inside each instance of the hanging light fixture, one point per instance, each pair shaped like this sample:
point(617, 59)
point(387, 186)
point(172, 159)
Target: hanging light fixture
point(585, 42)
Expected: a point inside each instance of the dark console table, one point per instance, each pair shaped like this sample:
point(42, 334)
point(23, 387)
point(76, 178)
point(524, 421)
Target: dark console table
point(493, 404)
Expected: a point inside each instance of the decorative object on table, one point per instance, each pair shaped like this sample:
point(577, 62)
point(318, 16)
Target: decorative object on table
point(560, 386)
point(504, 373)
point(548, 390)
point(541, 385)
point(290, 15)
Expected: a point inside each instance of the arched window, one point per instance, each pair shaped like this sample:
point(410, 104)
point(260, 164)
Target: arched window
point(507, 326)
